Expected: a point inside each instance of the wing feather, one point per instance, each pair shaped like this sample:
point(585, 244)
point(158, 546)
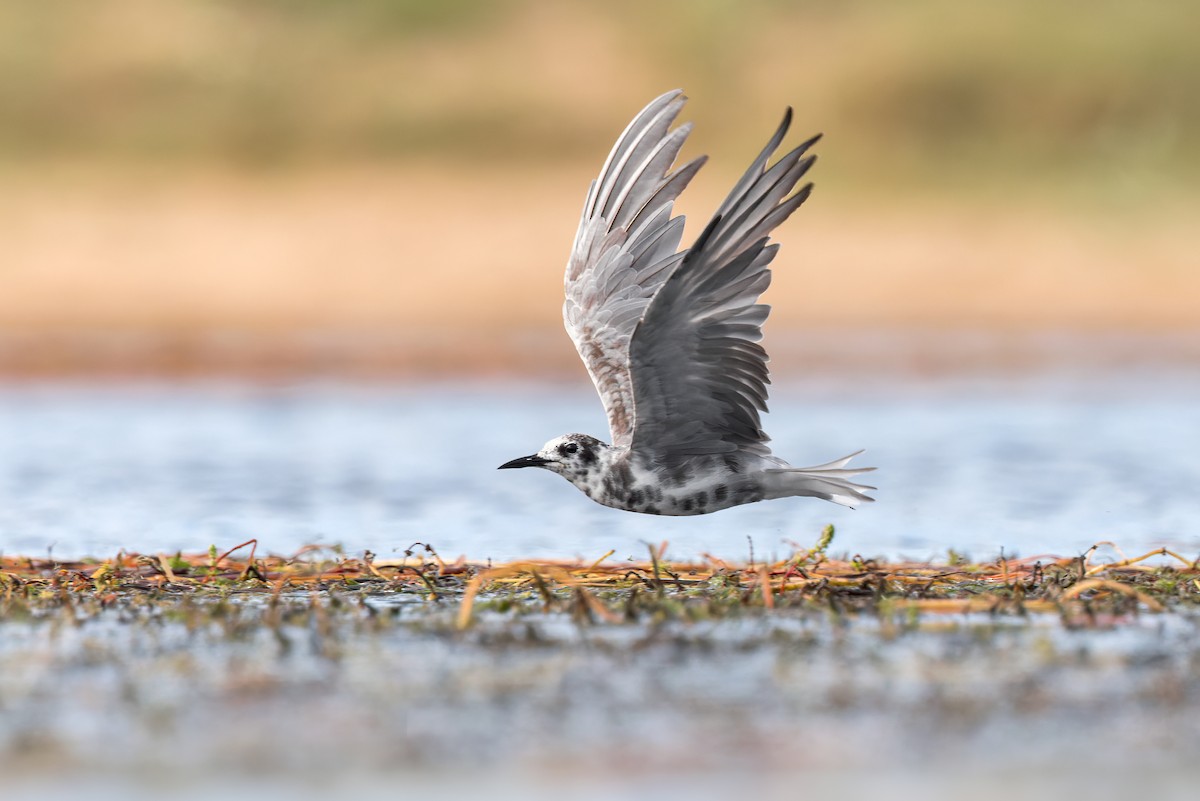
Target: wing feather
point(696, 355)
point(624, 250)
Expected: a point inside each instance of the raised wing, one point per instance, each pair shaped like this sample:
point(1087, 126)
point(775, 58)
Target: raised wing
point(625, 249)
point(700, 376)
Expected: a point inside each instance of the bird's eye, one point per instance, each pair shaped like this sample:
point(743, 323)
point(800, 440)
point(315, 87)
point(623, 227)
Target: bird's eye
point(570, 447)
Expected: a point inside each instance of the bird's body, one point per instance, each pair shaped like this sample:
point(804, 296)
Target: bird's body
point(670, 338)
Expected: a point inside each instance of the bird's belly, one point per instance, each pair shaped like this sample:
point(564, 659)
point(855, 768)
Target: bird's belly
point(681, 501)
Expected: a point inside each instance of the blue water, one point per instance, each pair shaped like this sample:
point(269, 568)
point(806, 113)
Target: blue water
point(1028, 466)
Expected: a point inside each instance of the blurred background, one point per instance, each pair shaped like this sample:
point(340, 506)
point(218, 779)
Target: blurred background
point(367, 187)
point(291, 270)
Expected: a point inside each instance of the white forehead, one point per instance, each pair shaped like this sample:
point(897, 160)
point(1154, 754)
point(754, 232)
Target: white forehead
point(553, 444)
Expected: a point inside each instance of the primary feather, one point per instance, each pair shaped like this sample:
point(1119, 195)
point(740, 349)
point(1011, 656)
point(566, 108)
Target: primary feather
point(625, 249)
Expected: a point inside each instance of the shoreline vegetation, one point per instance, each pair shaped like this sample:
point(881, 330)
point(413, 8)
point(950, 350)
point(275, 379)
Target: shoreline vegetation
point(1021, 96)
point(1098, 589)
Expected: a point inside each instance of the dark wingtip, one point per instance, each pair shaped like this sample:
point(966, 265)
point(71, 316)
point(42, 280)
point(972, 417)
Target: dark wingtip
point(780, 133)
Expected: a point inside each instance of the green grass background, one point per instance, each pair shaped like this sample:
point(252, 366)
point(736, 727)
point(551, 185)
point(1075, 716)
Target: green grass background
point(1083, 99)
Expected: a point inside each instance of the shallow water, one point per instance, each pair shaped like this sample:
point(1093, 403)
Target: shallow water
point(1029, 466)
point(140, 692)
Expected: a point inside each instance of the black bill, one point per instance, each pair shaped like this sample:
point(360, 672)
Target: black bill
point(524, 461)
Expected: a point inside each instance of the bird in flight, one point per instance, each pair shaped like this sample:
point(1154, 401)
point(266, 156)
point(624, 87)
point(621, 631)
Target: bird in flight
point(671, 338)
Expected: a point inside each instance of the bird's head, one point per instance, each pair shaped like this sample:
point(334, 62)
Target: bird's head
point(570, 455)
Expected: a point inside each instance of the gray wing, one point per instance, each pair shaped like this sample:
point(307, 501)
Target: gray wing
point(700, 376)
point(625, 249)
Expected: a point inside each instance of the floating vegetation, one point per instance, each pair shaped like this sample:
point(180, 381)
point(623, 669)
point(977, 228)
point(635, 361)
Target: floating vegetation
point(1084, 591)
point(325, 664)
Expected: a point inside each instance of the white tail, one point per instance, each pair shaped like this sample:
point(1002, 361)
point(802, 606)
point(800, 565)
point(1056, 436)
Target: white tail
point(830, 481)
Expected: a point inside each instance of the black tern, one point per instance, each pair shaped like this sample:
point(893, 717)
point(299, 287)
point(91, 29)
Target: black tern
point(671, 339)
